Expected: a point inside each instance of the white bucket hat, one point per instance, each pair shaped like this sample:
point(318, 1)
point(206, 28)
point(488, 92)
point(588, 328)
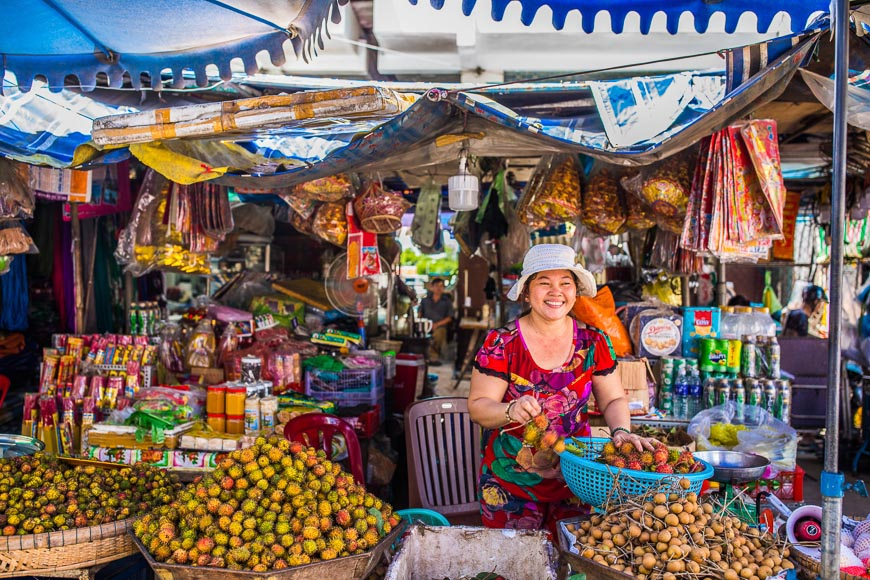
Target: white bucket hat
point(553, 257)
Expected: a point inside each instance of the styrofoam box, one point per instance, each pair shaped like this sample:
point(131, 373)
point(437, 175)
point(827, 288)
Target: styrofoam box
point(433, 553)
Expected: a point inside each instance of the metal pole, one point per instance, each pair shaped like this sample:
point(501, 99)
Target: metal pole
point(78, 290)
point(832, 480)
point(721, 286)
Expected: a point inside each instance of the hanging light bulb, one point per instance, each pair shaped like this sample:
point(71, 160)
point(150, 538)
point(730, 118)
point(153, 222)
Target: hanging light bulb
point(463, 189)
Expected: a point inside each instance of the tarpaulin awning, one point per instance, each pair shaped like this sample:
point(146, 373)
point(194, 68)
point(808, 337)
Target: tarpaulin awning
point(800, 11)
point(84, 38)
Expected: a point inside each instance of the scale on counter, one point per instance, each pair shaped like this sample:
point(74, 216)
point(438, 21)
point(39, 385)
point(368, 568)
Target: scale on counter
point(735, 467)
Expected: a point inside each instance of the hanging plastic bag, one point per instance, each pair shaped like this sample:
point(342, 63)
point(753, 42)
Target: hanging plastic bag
point(330, 189)
point(16, 197)
point(603, 210)
point(552, 195)
point(600, 312)
point(638, 215)
point(757, 431)
point(14, 239)
point(330, 223)
point(769, 297)
point(665, 187)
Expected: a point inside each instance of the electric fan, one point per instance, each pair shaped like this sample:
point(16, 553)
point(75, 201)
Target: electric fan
point(356, 296)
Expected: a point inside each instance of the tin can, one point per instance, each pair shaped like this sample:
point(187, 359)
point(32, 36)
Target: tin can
point(769, 397)
point(666, 403)
point(666, 371)
point(754, 392)
point(251, 368)
point(774, 357)
point(723, 392)
point(749, 359)
point(735, 348)
point(739, 399)
point(782, 406)
point(710, 393)
point(134, 318)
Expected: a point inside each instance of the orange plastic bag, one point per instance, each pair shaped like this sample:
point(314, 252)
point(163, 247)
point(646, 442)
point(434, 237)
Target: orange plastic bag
point(600, 312)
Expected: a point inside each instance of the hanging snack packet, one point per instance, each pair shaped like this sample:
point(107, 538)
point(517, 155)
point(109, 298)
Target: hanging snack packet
point(201, 346)
point(552, 195)
point(603, 212)
point(16, 196)
point(330, 223)
point(329, 189)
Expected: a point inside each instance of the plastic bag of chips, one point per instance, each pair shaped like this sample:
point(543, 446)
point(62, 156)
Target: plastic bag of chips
point(603, 210)
point(16, 197)
point(552, 195)
point(330, 189)
point(330, 223)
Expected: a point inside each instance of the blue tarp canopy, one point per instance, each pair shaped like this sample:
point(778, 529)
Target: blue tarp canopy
point(603, 119)
point(84, 38)
point(800, 11)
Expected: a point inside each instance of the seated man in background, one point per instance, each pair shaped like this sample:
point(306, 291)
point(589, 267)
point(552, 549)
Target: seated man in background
point(437, 307)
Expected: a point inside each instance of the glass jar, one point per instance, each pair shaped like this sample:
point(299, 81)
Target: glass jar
point(235, 424)
point(215, 400)
point(235, 401)
point(268, 410)
point(217, 422)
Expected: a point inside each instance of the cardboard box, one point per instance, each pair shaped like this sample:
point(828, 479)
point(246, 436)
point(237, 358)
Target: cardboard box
point(633, 376)
point(210, 375)
point(165, 458)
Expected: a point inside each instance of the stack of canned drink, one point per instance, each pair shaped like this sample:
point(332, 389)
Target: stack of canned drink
point(773, 395)
point(144, 317)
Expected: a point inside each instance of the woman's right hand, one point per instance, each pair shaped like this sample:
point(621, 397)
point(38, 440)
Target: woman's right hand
point(525, 409)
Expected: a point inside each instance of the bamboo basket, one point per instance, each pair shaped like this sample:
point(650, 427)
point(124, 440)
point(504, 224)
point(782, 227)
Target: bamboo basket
point(347, 568)
point(42, 554)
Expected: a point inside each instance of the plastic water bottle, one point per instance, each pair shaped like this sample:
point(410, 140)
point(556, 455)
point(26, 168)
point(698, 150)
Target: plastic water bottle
point(695, 393)
point(681, 395)
point(728, 323)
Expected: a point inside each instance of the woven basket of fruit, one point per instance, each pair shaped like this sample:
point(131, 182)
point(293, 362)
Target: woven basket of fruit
point(666, 533)
point(854, 548)
point(50, 510)
point(273, 510)
point(600, 474)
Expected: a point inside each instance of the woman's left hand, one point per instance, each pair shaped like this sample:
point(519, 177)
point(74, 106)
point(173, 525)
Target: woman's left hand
point(639, 442)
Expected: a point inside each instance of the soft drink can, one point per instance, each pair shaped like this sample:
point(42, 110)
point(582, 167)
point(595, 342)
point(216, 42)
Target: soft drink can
point(774, 354)
point(723, 392)
point(134, 318)
point(667, 371)
point(666, 403)
point(749, 359)
point(739, 399)
point(769, 398)
point(782, 407)
point(710, 393)
point(754, 392)
point(735, 348)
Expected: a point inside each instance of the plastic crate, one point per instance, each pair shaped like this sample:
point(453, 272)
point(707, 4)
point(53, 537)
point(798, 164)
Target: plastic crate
point(347, 388)
point(366, 424)
point(787, 485)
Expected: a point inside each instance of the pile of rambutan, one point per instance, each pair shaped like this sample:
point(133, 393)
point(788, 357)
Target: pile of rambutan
point(661, 460)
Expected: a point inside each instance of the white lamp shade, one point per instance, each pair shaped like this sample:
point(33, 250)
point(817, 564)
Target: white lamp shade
point(463, 192)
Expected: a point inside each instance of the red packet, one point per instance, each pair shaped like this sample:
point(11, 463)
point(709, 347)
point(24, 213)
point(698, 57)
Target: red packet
point(363, 258)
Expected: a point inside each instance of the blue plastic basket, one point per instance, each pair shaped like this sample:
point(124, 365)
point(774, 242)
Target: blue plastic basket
point(593, 482)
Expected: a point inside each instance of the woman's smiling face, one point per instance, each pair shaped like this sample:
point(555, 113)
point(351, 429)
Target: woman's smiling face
point(552, 293)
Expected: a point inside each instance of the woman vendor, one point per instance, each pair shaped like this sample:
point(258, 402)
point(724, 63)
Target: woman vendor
point(546, 363)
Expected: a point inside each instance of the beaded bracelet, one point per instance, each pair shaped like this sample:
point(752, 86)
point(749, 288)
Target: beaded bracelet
point(615, 429)
point(507, 412)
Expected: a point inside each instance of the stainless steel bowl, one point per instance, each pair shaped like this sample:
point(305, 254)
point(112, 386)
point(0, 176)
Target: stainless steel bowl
point(734, 466)
point(18, 445)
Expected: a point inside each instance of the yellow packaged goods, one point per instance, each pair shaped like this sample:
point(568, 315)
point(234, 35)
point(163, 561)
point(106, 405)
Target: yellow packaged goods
point(603, 212)
point(553, 193)
point(330, 223)
point(331, 189)
point(235, 400)
point(639, 216)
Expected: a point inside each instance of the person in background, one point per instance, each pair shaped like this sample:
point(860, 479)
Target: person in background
point(544, 363)
point(739, 300)
point(807, 320)
point(437, 307)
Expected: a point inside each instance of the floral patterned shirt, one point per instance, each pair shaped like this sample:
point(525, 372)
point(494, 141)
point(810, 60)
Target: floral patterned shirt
point(562, 393)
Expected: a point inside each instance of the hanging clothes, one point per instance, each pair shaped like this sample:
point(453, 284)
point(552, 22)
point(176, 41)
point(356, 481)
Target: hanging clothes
point(14, 296)
point(426, 226)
